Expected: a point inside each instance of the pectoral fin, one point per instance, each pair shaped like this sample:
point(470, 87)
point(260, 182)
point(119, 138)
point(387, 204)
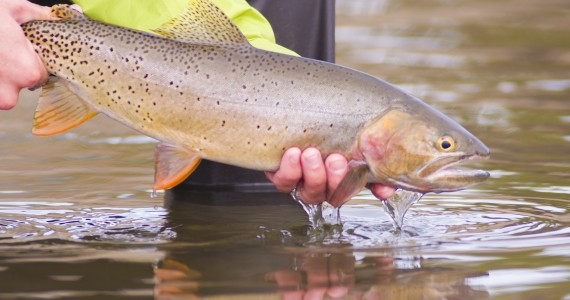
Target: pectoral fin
point(353, 182)
point(59, 109)
point(173, 165)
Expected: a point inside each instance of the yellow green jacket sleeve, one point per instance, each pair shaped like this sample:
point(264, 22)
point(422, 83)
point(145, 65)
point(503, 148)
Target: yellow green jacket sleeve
point(146, 15)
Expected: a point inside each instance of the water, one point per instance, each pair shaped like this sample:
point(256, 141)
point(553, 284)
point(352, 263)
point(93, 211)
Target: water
point(397, 206)
point(77, 220)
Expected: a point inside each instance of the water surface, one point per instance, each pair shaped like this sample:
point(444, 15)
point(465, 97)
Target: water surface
point(77, 220)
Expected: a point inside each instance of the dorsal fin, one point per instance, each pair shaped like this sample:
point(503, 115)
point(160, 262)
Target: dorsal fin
point(64, 11)
point(202, 23)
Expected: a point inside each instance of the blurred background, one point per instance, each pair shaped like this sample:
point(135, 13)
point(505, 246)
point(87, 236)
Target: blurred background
point(77, 219)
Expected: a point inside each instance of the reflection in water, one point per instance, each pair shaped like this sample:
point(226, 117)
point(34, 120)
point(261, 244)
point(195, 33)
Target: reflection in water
point(254, 251)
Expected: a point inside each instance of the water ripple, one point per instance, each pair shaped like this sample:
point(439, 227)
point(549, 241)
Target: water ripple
point(39, 220)
point(476, 222)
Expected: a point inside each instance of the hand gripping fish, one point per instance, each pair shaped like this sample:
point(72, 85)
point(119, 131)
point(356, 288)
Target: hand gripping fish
point(204, 92)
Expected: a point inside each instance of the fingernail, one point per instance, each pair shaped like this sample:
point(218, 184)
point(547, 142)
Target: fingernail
point(313, 159)
point(337, 165)
point(294, 157)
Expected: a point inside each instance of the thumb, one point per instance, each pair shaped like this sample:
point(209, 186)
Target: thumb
point(8, 97)
point(28, 11)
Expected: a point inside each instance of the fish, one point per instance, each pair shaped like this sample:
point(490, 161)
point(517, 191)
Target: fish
point(204, 92)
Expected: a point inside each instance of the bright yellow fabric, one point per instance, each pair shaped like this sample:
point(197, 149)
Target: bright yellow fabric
point(146, 15)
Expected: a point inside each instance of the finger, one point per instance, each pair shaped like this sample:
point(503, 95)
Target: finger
point(314, 186)
point(34, 73)
point(289, 173)
point(337, 167)
point(381, 191)
point(29, 11)
point(42, 75)
point(76, 7)
point(8, 97)
point(315, 293)
point(338, 292)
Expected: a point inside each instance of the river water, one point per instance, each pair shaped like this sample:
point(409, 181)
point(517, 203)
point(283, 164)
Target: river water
point(77, 220)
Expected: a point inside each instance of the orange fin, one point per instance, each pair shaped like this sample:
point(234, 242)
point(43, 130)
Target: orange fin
point(353, 182)
point(173, 165)
point(59, 109)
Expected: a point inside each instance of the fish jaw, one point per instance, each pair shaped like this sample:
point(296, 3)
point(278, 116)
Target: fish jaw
point(443, 175)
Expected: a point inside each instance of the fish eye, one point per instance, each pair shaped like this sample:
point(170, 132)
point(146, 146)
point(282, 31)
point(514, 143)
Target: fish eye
point(446, 143)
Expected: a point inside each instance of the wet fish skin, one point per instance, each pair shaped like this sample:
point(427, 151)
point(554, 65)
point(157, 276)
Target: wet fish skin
point(204, 92)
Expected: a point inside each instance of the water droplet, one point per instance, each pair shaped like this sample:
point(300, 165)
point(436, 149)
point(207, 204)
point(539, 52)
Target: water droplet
point(320, 215)
point(397, 206)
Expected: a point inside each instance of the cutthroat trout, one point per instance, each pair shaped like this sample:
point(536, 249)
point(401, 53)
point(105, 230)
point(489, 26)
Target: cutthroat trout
point(204, 92)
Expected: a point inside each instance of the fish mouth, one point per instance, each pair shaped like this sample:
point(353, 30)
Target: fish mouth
point(443, 175)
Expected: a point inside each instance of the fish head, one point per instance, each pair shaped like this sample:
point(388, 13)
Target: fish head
point(418, 149)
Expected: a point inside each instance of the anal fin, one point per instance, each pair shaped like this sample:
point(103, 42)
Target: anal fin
point(59, 109)
point(173, 165)
point(353, 182)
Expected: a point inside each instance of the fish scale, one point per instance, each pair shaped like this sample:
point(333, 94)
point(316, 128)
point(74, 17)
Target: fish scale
point(203, 91)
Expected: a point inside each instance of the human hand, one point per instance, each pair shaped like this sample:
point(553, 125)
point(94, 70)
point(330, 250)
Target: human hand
point(20, 66)
point(317, 276)
point(315, 179)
